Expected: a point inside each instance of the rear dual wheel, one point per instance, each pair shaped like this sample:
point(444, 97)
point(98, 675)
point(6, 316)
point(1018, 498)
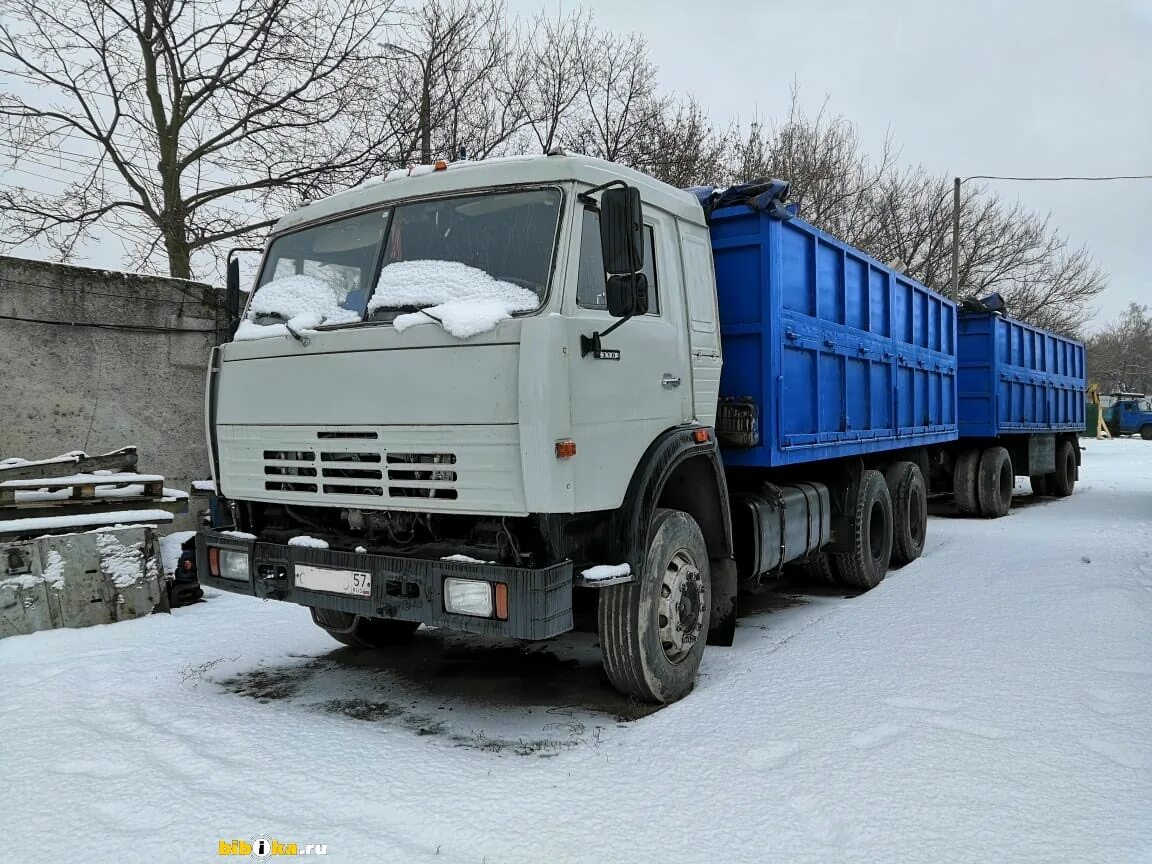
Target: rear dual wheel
point(909, 511)
point(867, 527)
point(982, 482)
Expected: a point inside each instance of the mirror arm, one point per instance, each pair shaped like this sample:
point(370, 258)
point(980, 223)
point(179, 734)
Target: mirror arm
point(591, 344)
point(585, 197)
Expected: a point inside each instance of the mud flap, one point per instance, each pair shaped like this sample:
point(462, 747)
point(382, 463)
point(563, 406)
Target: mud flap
point(722, 625)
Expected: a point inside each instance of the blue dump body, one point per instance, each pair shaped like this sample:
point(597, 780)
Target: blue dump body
point(1016, 379)
point(837, 354)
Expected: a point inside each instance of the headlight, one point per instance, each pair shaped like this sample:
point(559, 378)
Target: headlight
point(468, 597)
point(234, 565)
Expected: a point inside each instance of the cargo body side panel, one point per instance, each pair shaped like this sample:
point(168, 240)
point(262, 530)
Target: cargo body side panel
point(1015, 378)
point(841, 355)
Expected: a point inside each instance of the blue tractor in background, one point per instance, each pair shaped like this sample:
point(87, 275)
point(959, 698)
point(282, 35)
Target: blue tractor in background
point(1129, 414)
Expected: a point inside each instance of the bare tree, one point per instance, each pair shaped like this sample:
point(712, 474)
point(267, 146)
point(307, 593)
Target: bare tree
point(905, 218)
point(832, 181)
point(683, 148)
point(180, 112)
point(553, 84)
point(455, 73)
point(621, 100)
point(1120, 355)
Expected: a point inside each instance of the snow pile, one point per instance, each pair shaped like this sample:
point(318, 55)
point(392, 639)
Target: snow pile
point(464, 300)
point(305, 301)
point(989, 702)
point(171, 547)
point(604, 572)
point(49, 524)
point(123, 564)
point(309, 542)
point(53, 572)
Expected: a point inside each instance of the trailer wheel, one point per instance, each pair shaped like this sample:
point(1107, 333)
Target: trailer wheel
point(871, 536)
point(909, 511)
point(964, 482)
point(357, 631)
point(1040, 484)
point(995, 482)
point(1064, 480)
point(653, 630)
point(1146, 431)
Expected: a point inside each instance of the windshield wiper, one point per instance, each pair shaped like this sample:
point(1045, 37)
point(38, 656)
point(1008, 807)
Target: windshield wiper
point(283, 319)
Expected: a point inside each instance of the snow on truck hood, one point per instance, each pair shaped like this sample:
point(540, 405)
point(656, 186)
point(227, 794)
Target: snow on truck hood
point(304, 301)
point(464, 300)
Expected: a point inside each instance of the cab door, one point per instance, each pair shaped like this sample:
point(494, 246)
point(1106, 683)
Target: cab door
point(620, 405)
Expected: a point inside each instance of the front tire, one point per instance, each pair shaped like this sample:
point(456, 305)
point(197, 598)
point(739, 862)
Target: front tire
point(1146, 432)
point(909, 511)
point(653, 630)
point(869, 529)
point(356, 631)
point(995, 482)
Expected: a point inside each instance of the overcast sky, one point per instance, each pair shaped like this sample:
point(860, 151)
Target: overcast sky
point(1016, 87)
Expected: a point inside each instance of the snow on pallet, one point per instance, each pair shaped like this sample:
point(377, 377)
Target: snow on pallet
point(78, 541)
point(61, 493)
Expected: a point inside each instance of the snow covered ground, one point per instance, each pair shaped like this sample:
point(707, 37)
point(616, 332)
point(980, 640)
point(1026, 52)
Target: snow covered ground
point(991, 702)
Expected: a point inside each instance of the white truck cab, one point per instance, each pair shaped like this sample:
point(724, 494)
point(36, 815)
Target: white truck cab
point(423, 418)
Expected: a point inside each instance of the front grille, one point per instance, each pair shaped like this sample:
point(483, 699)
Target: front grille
point(369, 473)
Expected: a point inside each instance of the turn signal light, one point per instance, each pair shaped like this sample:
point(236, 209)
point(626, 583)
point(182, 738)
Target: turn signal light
point(441, 165)
point(701, 435)
point(565, 448)
point(214, 561)
point(501, 601)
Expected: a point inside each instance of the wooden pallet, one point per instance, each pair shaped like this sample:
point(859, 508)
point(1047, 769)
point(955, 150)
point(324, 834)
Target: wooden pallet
point(83, 486)
point(123, 459)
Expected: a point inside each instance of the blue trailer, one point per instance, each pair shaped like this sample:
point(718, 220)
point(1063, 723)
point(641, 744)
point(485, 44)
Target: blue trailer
point(1020, 394)
point(839, 375)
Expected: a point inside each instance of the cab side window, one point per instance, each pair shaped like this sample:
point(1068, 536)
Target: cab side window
point(590, 280)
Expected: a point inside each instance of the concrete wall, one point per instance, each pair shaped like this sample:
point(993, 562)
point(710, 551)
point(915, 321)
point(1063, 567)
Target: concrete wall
point(66, 385)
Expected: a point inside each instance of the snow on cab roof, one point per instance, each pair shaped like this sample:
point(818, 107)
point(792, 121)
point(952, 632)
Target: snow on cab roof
point(423, 180)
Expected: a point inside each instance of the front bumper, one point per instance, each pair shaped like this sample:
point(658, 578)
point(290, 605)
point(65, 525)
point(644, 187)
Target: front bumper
point(405, 589)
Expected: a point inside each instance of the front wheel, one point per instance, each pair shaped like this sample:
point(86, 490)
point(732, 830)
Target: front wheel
point(652, 630)
point(357, 631)
point(1146, 432)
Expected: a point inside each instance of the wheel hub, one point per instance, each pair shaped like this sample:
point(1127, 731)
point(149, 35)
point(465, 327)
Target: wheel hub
point(681, 606)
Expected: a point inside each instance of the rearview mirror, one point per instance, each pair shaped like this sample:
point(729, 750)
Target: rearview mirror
point(627, 295)
point(621, 230)
point(232, 295)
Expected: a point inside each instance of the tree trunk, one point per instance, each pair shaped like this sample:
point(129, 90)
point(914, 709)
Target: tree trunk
point(179, 252)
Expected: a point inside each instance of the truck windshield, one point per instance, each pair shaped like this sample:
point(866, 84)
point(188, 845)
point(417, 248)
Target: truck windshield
point(471, 244)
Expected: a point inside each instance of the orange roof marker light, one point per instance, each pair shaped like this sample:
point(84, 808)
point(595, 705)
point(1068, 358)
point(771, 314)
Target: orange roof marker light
point(441, 165)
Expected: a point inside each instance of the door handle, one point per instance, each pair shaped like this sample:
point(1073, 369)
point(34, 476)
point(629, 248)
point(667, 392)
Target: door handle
point(670, 381)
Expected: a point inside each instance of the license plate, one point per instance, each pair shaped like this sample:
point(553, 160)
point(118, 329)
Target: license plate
point(353, 582)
